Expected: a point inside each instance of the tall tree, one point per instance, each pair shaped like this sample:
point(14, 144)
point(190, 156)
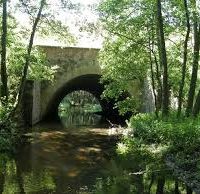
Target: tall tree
point(28, 56)
point(155, 74)
point(153, 81)
point(191, 93)
point(185, 53)
point(46, 22)
point(163, 59)
point(196, 108)
point(4, 86)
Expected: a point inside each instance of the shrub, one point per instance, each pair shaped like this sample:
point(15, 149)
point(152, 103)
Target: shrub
point(9, 137)
point(179, 134)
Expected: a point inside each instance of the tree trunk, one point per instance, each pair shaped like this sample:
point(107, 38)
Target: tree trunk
point(185, 52)
point(176, 189)
point(4, 77)
point(160, 186)
point(163, 59)
point(153, 79)
point(28, 56)
point(196, 108)
point(155, 76)
point(158, 77)
point(193, 80)
point(153, 87)
point(188, 190)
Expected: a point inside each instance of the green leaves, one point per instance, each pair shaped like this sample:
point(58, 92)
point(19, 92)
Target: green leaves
point(124, 57)
point(181, 135)
point(39, 68)
point(131, 45)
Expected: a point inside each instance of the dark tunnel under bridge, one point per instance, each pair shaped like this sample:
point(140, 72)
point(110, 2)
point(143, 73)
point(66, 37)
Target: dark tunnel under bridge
point(90, 83)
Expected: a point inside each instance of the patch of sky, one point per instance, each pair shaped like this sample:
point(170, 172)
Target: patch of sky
point(80, 16)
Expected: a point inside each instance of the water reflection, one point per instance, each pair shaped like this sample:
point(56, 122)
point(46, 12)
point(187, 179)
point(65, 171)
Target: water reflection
point(76, 116)
point(81, 161)
point(79, 108)
point(79, 158)
point(57, 161)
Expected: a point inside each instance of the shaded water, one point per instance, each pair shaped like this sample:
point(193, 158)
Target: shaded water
point(59, 159)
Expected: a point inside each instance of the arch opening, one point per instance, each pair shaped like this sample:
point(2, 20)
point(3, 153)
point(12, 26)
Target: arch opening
point(88, 83)
point(80, 108)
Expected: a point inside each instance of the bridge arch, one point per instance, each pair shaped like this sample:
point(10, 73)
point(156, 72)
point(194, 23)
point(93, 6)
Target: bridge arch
point(88, 82)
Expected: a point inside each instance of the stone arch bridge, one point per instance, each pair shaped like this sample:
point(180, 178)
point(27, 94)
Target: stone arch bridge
point(77, 69)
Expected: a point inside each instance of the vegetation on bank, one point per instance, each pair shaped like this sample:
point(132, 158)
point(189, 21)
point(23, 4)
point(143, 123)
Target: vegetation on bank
point(175, 142)
point(157, 44)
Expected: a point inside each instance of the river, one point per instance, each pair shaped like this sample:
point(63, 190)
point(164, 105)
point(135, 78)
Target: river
point(65, 157)
point(77, 156)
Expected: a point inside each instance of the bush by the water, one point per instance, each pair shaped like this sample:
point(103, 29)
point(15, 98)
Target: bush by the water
point(173, 141)
point(155, 155)
point(9, 136)
point(178, 134)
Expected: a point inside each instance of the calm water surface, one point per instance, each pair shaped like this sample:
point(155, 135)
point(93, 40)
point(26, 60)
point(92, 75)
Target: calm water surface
point(74, 155)
point(59, 159)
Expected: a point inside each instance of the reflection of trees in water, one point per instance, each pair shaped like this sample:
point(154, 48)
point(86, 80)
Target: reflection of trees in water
point(76, 116)
point(14, 180)
point(77, 108)
point(2, 174)
point(19, 177)
point(119, 180)
point(10, 171)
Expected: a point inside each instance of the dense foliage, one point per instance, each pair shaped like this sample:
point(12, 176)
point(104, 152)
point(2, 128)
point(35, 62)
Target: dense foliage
point(133, 50)
point(156, 41)
point(155, 156)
